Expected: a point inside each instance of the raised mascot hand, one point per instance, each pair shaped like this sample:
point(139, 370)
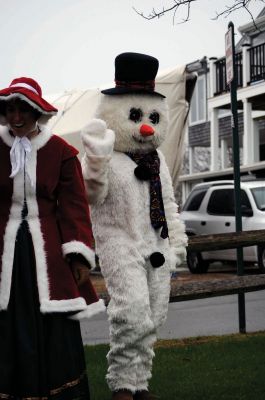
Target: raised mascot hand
point(98, 143)
point(97, 139)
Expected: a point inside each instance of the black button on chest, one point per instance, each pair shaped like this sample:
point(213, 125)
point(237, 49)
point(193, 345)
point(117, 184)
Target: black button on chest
point(142, 173)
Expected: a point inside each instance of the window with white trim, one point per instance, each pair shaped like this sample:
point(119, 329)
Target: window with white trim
point(198, 102)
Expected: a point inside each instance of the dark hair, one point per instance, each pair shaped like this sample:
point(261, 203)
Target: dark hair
point(37, 114)
point(2, 108)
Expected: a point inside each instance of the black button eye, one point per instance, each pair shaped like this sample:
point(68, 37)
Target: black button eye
point(154, 117)
point(136, 114)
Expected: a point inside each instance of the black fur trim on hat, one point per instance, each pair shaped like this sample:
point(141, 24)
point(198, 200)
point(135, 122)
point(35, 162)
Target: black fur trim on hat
point(142, 173)
point(157, 259)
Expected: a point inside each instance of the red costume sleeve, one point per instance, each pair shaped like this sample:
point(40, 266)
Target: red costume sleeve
point(73, 212)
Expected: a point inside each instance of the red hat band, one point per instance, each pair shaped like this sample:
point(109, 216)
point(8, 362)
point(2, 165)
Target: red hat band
point(147, 85)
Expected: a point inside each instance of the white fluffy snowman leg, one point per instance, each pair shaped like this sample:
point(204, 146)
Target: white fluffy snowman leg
point(145, 361)
point(130, 324)
point(159, 290)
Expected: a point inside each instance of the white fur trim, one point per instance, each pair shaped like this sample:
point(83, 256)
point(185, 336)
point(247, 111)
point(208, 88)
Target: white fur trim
point(8, 256)
point(79, 247)
point(76, 304)
point(6, 137)
point(90, 311)
point(41, 263)
point(34, 222)
point(11, 232)
point(37, 141)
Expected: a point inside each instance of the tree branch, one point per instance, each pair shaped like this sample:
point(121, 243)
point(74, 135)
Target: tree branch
point(238, 4)
point(174, 8)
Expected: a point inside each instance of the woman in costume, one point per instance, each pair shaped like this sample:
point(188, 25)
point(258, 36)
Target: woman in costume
point(45, 253)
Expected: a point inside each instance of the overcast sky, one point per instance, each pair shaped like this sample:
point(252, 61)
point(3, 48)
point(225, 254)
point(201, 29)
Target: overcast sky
point(66, 44)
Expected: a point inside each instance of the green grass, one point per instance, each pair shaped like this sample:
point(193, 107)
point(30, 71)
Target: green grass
point(212, 368)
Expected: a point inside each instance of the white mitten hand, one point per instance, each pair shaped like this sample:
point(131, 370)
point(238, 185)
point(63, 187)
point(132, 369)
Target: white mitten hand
point(177, 257)
point(97, 139)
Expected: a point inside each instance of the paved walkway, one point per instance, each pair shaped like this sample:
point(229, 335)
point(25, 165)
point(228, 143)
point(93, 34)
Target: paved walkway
point(204, 317)
point(201, 317)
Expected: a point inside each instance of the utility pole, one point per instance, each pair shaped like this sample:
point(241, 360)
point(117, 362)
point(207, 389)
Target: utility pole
point(231, 79)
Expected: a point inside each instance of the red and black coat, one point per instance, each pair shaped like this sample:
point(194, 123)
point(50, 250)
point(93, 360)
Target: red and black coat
point(58, 219)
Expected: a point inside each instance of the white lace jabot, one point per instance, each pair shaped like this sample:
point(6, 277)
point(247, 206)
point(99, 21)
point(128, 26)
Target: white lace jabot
point(19, 154)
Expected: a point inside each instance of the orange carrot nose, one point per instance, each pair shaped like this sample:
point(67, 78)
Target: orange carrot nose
point(146, 130)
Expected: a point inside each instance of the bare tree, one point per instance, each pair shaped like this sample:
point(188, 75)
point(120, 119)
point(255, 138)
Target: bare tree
point(186, 5)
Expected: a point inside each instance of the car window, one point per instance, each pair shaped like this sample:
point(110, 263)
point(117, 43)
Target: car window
point(194, 200)
point(222, 202)
point(245, 200)
point(259, 197)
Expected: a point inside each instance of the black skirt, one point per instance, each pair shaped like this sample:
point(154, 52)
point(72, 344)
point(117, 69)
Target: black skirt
point(41, 355)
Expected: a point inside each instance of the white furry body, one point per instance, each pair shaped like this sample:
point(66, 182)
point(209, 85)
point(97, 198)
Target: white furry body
point(125, 238)
point(122, 221)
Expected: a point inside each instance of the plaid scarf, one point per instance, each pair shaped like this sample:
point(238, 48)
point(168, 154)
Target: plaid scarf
point(148, 169)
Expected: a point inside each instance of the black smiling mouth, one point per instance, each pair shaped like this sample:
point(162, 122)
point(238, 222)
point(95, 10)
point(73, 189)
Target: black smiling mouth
point(139, 139)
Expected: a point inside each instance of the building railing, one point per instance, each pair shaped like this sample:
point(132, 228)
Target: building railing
point(257, 62)
point(256, 68)
point(220, 64)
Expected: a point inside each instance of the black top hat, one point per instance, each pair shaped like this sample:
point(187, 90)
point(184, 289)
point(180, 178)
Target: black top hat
point(134, 73)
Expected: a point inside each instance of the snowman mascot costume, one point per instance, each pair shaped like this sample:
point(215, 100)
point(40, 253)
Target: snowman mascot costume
point(139, 237)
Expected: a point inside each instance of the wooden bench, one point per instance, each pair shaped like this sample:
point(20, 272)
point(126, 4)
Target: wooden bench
point(219, 287)
point(182, 290)
point(230, 240)
point(232, 284)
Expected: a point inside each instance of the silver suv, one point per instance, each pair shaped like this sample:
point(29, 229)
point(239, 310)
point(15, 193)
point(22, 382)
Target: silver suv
point(210, 209)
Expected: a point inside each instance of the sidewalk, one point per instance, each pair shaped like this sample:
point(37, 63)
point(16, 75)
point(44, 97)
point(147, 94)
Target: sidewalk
point(192, 318)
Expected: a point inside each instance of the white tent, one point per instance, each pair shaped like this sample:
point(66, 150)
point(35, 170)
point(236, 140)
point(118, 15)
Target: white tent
point(77, 107)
